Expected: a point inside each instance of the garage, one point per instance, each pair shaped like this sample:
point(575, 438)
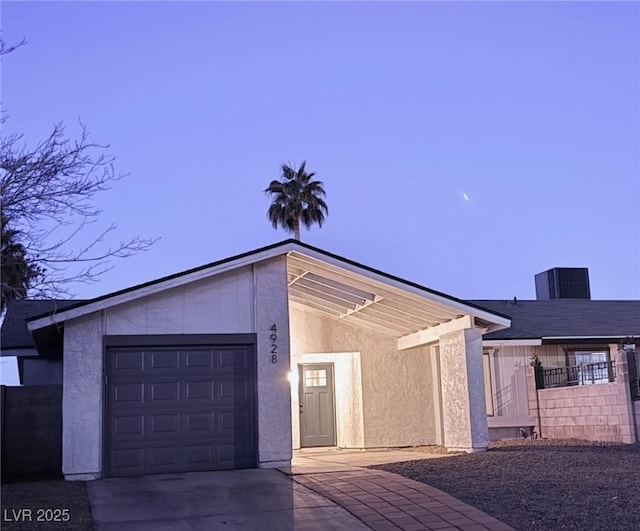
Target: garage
point(179, 408)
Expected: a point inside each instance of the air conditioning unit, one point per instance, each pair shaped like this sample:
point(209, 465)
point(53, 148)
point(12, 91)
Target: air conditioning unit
point(563, 283)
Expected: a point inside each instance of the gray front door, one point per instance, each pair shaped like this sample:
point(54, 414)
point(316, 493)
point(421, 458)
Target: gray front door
point(317, 419)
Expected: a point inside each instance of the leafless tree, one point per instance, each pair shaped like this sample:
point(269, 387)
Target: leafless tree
point(47, 197)
point(46, 203)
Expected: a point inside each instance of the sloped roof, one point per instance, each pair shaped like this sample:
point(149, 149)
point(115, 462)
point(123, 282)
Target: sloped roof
point(296, 251)
point(14, 332)
point(570, 318)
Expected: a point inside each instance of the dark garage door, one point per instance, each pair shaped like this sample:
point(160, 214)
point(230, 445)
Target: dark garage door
point(179, 409)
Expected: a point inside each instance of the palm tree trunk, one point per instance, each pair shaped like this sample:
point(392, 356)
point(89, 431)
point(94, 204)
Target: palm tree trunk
point(296, 229)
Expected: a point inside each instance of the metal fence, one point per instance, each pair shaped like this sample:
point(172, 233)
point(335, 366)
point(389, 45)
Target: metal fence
point(588, 374)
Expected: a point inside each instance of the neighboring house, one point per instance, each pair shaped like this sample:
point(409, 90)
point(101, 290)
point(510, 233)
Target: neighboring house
point(577, 337)
point(236, 363)
point(36, 366)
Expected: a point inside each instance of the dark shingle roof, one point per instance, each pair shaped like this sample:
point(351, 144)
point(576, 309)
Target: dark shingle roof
point(14, 332)
point(566, 318)
point(78, 304)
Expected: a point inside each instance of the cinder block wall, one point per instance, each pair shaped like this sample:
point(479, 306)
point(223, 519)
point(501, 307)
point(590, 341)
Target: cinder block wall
point(600, 412)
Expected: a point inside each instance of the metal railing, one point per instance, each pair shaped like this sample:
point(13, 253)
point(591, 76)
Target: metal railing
point(587, 374)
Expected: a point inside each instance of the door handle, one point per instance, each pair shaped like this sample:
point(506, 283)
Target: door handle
point(300, 407)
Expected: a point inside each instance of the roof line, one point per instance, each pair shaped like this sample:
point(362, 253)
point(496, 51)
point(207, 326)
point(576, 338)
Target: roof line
point(168, 277)
point(401, 280)
point(282, 243)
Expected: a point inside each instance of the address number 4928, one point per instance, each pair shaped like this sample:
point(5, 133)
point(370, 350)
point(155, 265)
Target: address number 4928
point(273, 338)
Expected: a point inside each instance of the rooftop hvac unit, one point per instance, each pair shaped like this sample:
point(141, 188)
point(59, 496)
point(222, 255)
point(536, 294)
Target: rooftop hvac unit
point(563, 283)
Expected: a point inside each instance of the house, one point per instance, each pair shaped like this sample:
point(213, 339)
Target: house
point(294, 346)
point(36, 366)
point(575, 339)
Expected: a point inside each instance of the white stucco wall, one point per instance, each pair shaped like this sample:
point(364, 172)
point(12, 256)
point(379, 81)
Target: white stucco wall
point(82, 398)
point(221, 304)
point(463, 400)
point(397, 396)
point(274, 394)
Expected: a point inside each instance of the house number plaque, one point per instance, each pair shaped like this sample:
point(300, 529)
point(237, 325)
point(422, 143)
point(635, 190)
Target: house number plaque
point(273, 337)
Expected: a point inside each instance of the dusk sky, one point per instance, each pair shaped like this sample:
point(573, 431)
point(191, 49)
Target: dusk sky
point(404, 110)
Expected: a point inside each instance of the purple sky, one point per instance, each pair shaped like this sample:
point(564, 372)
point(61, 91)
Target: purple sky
point(531, 109)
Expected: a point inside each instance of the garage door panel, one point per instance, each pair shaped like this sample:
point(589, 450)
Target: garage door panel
point(198, 390)
point(194, 455)
point(163, 392)
point(163, 424)
point(127, 362)
point(199, 423)
point(232, 359)
point(128, 426)
point(233, 421)
point(230, 391)
point(181, 409)
point(129, 461)
point(232, 456)
point(126, 395)
point(163, 359)
point(163, 456)
point(198, 359)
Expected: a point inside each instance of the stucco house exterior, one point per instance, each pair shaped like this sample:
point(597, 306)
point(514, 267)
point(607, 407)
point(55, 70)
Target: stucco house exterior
point(577, 338)
point(239, 362)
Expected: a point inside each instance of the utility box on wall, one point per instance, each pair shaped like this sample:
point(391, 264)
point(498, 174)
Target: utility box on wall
point(563, 283)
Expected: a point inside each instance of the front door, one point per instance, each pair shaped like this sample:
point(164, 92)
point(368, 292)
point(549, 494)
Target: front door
point(317, 418)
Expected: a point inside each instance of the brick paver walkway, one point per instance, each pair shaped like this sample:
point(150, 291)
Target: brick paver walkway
point(386, 501)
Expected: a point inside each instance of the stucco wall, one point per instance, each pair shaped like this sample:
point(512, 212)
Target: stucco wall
point(221, 304)
point(82, 398)
point(274, 396)
point(397, 397)
point(463, 400)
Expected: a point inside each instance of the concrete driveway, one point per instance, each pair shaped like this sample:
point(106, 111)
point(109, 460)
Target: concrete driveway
point(255, 499)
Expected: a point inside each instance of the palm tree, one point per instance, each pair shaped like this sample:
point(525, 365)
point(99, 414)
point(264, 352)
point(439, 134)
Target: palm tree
point(296, 198)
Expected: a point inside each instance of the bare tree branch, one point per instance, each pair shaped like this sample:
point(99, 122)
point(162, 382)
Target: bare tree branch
point(5, 49)
point(47, 195)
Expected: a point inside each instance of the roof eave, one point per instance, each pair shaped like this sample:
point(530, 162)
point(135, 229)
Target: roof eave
point(496, 320)
point(153, 287)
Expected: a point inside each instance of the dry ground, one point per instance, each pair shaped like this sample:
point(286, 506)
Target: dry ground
point(542, 485)
point(40, 496)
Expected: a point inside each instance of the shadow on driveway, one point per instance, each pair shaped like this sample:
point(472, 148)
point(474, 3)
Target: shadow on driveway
point(254, 499)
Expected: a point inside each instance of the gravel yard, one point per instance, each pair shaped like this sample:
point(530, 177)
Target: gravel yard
point(542, 484)
point(47, 501)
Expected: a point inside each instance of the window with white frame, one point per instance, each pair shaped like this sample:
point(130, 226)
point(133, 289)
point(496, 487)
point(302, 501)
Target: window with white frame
point(592, 366)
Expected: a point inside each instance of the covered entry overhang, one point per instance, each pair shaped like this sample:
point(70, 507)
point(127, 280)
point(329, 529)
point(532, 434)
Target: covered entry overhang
point(426, 356)
point(356, 294)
